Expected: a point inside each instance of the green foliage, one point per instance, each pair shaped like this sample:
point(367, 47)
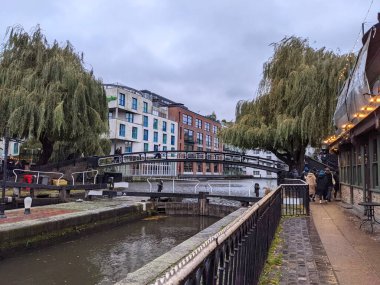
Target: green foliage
point(271, 273)
point(46, 93)
point(295, 103)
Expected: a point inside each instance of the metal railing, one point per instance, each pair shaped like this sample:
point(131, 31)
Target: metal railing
point(38, 174)
point(234, 255)
point(85, 176)
point(295, 198)
point(178, 156)
point(173, 180)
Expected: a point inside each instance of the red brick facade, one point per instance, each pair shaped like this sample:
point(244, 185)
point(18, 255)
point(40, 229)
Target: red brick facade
point(196, 132)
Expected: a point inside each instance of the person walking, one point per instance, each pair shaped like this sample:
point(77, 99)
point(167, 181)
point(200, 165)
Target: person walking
point(322, 186)
point(257, 189)
point(336, 185)
point(330, 183)
point(311, 180)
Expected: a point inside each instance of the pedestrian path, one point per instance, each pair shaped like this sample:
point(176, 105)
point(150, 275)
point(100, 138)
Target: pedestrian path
point(304, 258)
point(354, 253)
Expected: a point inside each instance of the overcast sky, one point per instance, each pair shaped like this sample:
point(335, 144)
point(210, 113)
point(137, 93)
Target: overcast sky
point(207, 54)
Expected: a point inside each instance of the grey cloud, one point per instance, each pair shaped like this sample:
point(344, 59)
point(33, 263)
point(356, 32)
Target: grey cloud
point(206, 54)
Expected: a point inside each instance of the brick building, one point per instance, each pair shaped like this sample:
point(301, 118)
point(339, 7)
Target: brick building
point(196, 133)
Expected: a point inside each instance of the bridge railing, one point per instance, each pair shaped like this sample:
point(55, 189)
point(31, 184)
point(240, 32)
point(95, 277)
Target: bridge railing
point(234, 255)
point(176, 155)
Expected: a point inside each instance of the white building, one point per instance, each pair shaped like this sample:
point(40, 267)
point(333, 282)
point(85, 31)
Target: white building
point(138, 122)
point(13, 148)
point(242, 170)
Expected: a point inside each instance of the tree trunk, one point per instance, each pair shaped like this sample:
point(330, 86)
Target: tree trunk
point(47, 150)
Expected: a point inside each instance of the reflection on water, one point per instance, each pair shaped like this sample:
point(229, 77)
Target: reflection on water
point(101, 258)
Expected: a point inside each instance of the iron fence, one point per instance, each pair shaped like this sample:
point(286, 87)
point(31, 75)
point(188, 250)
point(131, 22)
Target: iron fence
point(236, 254)
point(295, 199)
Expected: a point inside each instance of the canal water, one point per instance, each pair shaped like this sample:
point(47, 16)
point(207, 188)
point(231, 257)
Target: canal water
point(104, 257)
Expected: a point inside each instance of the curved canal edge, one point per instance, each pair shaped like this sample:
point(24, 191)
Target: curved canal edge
point(53, 223)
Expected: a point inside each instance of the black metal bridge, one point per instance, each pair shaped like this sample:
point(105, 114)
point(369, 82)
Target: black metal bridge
point(189, 156)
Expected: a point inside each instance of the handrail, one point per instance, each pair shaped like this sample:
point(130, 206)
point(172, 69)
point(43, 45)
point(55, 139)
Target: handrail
point(38, 173)
point(178, 155)
point(189, 263)
point(83, 174)
point(172, 179)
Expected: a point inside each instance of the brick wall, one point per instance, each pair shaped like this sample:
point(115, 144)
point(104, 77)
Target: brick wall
point(376, 198)
point(346, 197)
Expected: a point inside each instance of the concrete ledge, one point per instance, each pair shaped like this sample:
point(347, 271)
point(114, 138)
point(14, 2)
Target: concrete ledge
point(155, 268)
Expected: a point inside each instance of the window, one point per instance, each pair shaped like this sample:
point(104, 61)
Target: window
point(256, 173)
point(269, 173)
point(15, 148)
point(198, 123)
point(164, 126)
point(110, 115)
point(172, 148)
point(155, 124)
point(146, 147)
point(214, 129)
point(145, 107)
point(146, 135)
point(155, 137)
point(208, 140)
point(256, 151)
point(134, 132)
point(121, 99)
point(375, 169)
point(172, 128)
point(187, 120)
point(164, 148)
point(155, 147)
point(122, 130)
point(172, 140)
point(188, 135)
point(188, 167)
point(145, 121)
point(199, 138)
point(216, 142)
point(134, 103)
point(269, 157)
point(128, 147)
point(129, 117)
point(164, 138)
point(207, 127)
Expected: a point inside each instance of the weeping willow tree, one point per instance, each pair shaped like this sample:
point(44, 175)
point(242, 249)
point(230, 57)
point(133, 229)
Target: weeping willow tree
point(295, 103)
point(47, 94)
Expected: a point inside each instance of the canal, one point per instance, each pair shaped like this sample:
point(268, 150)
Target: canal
point(104, 257)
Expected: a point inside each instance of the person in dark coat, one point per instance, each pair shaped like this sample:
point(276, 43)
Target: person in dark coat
point(330, 183)
point(322, 185)
point(336, 185)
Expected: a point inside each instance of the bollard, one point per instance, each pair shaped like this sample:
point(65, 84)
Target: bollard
point(27, 205)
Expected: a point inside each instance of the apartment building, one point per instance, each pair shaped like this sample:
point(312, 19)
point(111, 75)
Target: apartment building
point(138, 121)
point(196, 133)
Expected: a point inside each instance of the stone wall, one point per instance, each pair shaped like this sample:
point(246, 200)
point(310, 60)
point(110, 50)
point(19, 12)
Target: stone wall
point(214, 210)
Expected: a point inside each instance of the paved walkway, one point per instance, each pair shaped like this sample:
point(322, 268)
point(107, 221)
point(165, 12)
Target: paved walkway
point(329, 248)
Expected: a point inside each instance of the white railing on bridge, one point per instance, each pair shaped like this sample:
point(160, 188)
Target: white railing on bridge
point(218, 157)
point(173, 180)
point(85, 176)
point(39, 176)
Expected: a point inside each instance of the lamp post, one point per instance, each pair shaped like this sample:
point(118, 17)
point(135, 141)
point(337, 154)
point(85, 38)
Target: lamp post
point(5, 174)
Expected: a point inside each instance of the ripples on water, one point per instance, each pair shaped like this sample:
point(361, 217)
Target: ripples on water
point(101, 258)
